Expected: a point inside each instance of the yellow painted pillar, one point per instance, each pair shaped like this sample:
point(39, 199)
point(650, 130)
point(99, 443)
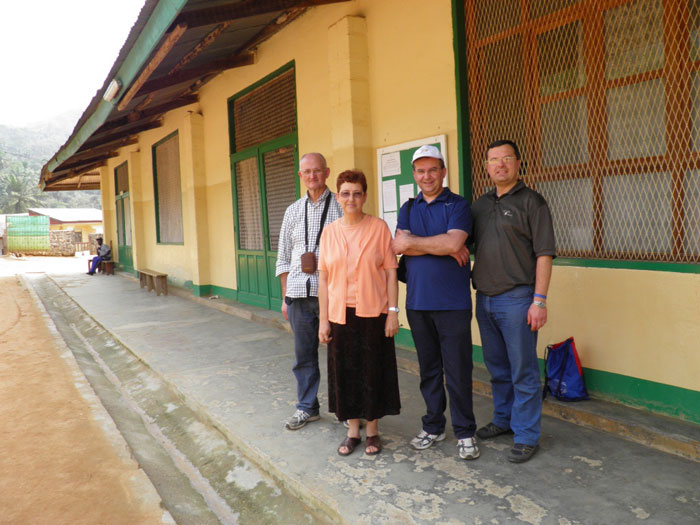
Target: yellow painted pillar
point(109, 211)
point(194, 198)
point(351, 133)
point(138, 243)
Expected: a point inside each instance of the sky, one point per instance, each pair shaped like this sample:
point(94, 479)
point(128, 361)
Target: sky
point(57, 53)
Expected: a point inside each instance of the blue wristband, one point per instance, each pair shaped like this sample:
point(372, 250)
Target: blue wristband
point(540, 296)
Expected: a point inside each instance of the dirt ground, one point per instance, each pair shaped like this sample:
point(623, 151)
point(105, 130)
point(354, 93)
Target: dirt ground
point(61, 459)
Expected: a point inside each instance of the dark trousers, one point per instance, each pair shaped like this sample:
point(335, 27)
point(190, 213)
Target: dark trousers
point(443, 341)
point(95, 263)
point(303, 317)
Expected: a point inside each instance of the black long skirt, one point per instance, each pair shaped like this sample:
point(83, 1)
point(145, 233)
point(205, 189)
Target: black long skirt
point(362, 377)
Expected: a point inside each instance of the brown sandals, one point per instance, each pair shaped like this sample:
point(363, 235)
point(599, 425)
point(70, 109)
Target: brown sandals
point(350, 443)
point(375, 442)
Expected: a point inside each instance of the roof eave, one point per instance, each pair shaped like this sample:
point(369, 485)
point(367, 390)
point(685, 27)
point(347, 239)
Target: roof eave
point(138, 53)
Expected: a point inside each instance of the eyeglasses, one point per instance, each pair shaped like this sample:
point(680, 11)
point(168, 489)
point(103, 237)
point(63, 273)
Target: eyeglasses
point(316, 171)
point(495, 161)
point(351, 194)
point(432, 171)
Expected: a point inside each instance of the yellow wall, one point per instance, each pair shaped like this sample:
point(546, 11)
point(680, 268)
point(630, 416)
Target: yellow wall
point(390, 71)
point(405, 78)
point(636, 323)
point(370, 74)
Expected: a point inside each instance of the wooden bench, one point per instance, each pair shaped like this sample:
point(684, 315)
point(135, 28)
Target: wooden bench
point(105, 267)
point(153, 280)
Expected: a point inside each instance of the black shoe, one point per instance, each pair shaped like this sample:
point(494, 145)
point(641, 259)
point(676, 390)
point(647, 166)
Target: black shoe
point(91, 273)
point(520, 453)
point(491, 431)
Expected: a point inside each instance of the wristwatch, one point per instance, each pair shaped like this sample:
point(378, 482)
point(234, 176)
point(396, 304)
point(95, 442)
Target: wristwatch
point(540, 304)
point(393, 309)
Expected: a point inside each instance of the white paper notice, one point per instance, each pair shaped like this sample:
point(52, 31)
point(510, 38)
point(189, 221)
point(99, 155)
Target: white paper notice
point(391, 219)
point(405, 193)
point(389, 195)
point(391, 164)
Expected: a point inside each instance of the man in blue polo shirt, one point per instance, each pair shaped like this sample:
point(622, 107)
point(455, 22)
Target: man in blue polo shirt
point(431, 233)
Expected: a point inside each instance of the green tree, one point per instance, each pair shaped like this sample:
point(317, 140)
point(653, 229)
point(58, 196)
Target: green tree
point(18, 194)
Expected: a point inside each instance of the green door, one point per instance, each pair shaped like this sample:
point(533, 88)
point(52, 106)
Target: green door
point(123, 206)
point(264, 184)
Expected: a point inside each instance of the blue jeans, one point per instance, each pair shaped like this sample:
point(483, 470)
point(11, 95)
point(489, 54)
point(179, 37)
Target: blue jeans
point(443, 341)
point(95, 263)
point(303, 316)
point(510, 354)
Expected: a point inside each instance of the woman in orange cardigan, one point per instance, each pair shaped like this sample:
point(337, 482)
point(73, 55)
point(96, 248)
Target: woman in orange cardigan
point(358, 296)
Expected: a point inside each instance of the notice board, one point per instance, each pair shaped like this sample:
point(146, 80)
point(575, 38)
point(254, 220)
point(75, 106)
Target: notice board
point(395, 180)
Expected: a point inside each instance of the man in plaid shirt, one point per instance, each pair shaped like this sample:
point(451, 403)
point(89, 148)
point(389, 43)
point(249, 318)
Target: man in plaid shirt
point(300, 233)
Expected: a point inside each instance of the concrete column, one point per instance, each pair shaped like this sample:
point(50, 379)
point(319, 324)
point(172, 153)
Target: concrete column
point(109, 211)
point(194, 198)
point(348, 66)
point(138, 243)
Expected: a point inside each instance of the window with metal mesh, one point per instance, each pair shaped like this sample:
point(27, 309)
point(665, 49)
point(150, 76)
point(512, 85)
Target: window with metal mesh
point(121, 178)
point(265, 113)
point(280, 188)
point(166, 156)
point(250, 230)
point(603, 98)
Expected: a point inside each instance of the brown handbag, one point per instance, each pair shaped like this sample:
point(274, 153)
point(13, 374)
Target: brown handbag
point(309, 264)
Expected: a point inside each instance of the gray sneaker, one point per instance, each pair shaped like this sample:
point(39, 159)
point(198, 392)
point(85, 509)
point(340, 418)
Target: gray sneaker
point(425, 440)
point(467, 448)
point(300, 419)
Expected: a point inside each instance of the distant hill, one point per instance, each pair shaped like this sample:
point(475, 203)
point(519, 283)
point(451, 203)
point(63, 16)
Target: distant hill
point(38, 141)
point(23, 151)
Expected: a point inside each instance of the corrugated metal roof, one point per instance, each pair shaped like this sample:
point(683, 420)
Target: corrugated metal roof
point(69, 214)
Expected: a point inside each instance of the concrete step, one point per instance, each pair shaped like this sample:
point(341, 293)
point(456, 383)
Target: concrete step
point(199, 473)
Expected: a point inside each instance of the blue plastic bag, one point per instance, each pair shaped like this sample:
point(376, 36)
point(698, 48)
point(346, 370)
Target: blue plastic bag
point(563, 375)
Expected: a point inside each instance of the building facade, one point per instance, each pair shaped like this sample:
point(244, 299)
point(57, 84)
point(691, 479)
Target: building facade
point(600, 94)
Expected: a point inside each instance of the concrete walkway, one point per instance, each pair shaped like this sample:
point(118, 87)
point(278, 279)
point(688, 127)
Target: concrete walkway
point(237, 374)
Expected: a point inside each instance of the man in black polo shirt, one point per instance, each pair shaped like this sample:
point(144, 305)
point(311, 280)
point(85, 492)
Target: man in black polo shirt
point(514, 242)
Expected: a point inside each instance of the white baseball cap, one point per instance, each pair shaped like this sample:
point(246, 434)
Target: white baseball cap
point(427, 150)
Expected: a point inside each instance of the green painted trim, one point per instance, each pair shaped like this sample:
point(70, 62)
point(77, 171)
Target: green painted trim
point(404, 338)
point(665, 399)
point(660, 398)
point(459, 42)
point(283, 69)
point(203, 290)
point(158, 23)
point(116, 184)
point(255, 85)
point(226, 293)
point(258, 151)
point(651, 266)
point(155, 188)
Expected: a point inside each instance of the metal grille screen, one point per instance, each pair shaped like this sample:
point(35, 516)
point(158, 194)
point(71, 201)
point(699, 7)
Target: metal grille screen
point(281, 189)
point(250, 233)
point(169, 204)
point(603, 98)
point(122, 178)
point(265, 113)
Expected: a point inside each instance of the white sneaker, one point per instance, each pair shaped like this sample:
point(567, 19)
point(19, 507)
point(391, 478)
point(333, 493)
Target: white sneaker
point(299, 419)
point(467, 448)
point(425, 440)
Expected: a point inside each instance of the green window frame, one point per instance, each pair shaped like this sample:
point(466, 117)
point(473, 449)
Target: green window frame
point(167, 190)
